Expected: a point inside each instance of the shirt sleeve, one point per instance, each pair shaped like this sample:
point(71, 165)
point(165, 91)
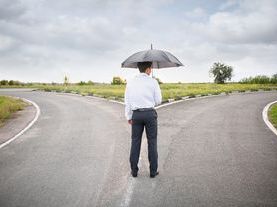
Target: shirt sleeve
point(128, 110)
point(157, 93)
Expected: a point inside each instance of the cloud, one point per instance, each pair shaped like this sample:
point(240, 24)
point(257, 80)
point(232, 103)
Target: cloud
point(196, 14)
point(89, 39)
point(10, 10)
point(253, 22)
point(6, 43)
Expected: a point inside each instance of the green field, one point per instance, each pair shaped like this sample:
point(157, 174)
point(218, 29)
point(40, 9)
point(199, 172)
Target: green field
point(169, 90)
point(8, 106)
point(273, 115)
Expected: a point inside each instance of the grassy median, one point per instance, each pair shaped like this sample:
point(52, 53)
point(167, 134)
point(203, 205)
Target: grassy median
point(273, 115)
point(8, 106)
point(169, 90)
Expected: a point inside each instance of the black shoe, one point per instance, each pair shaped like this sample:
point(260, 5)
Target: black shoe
point(154, 175)
point(134, 174)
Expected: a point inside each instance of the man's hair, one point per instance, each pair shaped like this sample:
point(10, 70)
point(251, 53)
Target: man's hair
point(143, 66)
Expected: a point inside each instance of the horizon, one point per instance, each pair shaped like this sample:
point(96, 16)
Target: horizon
point(97, 82)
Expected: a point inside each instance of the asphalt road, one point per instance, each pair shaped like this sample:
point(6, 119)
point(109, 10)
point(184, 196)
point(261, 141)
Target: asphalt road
point(212, 152)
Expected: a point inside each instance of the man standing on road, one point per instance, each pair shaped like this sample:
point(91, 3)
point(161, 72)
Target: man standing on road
point(141, 95)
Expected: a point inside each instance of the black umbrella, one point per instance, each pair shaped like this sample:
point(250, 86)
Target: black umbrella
point(159, 59)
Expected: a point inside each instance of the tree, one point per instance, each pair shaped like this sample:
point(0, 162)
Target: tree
point(4, 82)
point(274, 79)
point(65, 80)
point(221, 72)
point(11, 82)
point(17, 83)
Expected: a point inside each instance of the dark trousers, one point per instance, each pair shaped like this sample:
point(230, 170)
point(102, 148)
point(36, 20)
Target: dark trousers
point(147, 120)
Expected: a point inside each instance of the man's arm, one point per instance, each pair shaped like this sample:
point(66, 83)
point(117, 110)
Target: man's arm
point(128, 111)
point(157, 93)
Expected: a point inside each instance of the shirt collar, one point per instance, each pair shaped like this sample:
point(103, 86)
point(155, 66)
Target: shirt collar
point(143, 74)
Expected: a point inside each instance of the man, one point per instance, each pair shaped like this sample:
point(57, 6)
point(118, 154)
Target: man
point(141, 95)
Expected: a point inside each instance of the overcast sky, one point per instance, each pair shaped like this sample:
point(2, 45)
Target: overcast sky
point(43, 40)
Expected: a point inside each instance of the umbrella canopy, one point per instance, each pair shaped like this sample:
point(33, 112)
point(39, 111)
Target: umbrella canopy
point(159, 59)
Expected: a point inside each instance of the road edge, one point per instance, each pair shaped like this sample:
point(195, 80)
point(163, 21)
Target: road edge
point(169, 101)
point(265, 117)
point(28, 126)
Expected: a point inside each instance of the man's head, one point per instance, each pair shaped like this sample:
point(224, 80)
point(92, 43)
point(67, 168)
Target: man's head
point(145, 67)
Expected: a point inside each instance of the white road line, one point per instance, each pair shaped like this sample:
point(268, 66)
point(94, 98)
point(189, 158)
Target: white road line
point(92, 97)
point(122, 103)
point(28, 126)
point(162, 105)
point(132, 182)
point(167, 104)
point(188, 99)
point(265, 117)
point(129, 192)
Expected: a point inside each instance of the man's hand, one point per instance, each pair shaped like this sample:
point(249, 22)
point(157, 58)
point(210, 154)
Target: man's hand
point(130, 121)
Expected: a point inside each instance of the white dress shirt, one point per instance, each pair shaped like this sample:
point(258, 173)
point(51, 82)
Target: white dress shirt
point(141, 92)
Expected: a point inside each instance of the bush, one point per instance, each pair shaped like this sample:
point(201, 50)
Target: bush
point(17, 83)
point(82, 83)
point(118, 81)
point(274, 79)
point(260, 79)
point(90, 83)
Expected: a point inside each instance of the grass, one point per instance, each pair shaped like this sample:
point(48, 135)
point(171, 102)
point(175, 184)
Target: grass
point(8, 106)
point(169, 90)
point(273, 115)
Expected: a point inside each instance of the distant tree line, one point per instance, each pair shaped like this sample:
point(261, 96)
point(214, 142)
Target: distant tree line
point(19, 83)
point(83, 83)
point(11, 83)
point(260, 79)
